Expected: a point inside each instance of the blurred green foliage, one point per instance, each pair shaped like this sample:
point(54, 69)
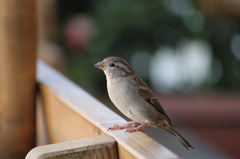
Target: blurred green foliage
point(126, 26)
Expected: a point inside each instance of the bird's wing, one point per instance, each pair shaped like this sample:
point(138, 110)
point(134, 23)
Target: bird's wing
point(147, 94)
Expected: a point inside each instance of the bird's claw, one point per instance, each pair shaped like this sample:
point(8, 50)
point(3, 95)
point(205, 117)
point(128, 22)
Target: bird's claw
point(123, 126)
point(134, 129)
point(115, 127)
point(139, 128)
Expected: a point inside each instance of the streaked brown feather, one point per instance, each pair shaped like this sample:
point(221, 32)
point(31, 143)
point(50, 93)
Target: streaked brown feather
point(147, 94)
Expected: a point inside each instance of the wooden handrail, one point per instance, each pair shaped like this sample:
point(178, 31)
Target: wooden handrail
point(100, 147)
point(72, 113)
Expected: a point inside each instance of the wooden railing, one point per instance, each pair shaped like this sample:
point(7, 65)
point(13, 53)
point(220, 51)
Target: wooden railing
point(71, 113)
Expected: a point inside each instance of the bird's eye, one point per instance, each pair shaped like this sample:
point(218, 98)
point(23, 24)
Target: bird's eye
point(111, 64)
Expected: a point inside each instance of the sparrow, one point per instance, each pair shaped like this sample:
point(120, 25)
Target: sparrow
point(131, 95)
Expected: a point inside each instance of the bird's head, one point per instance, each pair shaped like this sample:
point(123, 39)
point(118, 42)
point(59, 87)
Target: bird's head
point(114, 67)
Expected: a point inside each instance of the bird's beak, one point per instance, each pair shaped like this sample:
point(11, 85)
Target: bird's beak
point(100, 65)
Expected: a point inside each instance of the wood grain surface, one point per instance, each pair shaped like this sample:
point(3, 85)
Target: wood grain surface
point(100, 147)
point(17, 77)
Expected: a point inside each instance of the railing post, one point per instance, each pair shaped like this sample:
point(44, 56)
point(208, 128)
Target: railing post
point(17, 77)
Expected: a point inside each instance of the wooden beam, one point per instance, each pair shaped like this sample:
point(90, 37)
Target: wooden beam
point(17, 77)
point(220, 8)
point(64, 124)
point(100, 147)
point(72, 113)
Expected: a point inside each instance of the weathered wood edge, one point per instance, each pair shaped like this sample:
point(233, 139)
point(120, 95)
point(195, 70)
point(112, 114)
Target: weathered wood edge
point(104, 146)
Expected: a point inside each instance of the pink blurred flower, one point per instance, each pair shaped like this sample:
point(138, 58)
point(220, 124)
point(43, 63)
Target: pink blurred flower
point(78, 32)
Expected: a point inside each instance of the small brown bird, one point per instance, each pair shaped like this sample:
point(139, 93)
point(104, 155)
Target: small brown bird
point(131, 95)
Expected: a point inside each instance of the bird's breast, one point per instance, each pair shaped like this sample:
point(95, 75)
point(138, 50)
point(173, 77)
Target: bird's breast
point(121, 94)
point(125, 97)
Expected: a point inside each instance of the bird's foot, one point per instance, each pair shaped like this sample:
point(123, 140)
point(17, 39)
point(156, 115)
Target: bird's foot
point(123, 126)
point(134, 129)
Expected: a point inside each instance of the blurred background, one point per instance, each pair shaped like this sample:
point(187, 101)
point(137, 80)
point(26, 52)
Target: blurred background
point(188, 51)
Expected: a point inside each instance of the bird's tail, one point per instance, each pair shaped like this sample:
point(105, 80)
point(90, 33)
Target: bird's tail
point(181, 139)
